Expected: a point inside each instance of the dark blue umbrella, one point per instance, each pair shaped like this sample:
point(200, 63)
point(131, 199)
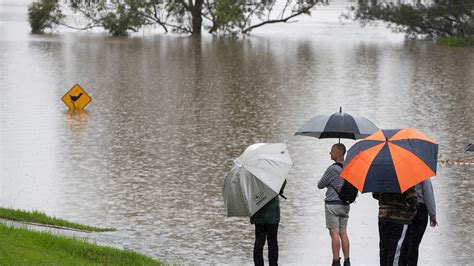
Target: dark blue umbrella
point(470, 147)
point(338, 125)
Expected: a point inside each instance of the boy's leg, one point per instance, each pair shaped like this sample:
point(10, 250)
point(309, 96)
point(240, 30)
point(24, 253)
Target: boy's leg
point(383, 242)
point(332, 224)
point(344, 242)
point(343, 220)
point(391, 239)
point(335, 243)
point(395, 242)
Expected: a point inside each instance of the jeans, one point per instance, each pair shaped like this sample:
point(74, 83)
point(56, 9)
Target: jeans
point(265, 232)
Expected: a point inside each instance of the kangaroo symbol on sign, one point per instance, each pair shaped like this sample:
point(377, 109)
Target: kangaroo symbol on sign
point(75, 98)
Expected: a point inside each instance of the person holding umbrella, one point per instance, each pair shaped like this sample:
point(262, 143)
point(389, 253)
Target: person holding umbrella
point(251, 189)
point(390, 163)
point(266, 222)
point(337, 212)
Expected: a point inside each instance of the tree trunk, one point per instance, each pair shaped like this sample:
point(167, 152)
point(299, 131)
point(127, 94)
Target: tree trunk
point(197, 17)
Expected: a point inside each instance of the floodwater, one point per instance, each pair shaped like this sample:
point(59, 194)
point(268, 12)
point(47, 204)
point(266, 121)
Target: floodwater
point(149, 154)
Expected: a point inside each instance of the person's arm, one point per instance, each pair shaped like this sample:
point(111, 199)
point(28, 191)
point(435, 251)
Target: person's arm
point(428, 196)
point(327, 177)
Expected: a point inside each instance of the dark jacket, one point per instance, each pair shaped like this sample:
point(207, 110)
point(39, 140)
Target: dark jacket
point(270, 213)
point(396, 207)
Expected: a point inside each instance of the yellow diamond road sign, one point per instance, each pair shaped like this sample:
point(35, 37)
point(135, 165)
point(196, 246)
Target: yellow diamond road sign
point(76, 98)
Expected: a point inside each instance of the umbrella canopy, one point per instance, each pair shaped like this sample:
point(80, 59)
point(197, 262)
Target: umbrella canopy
point(256, 178)
point(470, 147)
point(390, 161)
point(338, 125)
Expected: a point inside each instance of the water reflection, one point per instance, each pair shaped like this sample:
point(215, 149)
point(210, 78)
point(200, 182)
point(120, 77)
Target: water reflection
point(149, 154)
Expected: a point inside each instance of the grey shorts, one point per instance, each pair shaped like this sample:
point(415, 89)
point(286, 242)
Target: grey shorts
point(336, 216)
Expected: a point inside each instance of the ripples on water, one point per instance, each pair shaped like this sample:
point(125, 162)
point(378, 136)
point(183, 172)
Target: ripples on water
point(168, 114)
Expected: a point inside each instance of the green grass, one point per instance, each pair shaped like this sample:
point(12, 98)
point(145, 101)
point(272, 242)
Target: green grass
point(41, 218)
point(23, 247)
point(456, 41)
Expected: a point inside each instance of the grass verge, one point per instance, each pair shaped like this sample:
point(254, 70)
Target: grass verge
point(20, 246)
point(41, 218)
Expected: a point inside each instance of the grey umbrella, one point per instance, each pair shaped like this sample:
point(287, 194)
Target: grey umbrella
point(256, 178)
point(338, 125)
point(470, 147)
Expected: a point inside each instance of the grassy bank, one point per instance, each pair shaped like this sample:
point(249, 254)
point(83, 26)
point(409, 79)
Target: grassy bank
point(23, 247)
point(456, 41)
point(41, 218)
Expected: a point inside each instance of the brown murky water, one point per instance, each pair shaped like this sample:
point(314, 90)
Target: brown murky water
point(168, 114)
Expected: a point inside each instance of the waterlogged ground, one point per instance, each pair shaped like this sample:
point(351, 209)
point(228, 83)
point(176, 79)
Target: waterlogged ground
point(168, 113)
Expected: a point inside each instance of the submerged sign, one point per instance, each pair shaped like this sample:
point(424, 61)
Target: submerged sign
point(76, 98)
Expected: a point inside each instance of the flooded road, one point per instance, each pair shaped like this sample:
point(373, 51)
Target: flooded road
point(168, 114)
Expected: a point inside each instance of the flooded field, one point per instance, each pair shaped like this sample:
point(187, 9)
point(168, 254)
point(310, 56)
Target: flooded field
point(169, 113)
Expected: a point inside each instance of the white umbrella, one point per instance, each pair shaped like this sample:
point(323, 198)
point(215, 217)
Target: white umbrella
point(256, 178)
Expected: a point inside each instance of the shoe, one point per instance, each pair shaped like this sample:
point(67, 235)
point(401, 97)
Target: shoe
point(347, 262)
point(336, 262)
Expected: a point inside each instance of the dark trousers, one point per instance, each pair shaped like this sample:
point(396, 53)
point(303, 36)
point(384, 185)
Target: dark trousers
point(414, 235)
point(266, 232)
point(391, 239)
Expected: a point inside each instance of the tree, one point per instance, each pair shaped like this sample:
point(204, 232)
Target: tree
point(43, 15)
point(185, 16)
point(441, 19)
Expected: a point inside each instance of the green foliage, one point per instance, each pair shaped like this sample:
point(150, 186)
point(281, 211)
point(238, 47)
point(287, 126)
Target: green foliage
point(41, 218)
point(231, 17)
point(23, 247)
point(228, 16)
point(43, 15)
point(443, 18)
point(456, 41)
point(179, 14)
point(127, 16)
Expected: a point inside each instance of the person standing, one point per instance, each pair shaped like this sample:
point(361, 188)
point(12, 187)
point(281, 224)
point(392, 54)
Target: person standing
point(266, 221)
point(396, 212)
point(415, 231)
point(337, 212)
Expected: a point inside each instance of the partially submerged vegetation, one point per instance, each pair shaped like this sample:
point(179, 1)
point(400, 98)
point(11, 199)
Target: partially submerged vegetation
point(23, 247)
point(41, 218)
point(180, 16)
point(456, 41)
point(451, 22)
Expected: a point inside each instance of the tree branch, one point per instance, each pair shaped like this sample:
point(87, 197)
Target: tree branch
point(302, 11)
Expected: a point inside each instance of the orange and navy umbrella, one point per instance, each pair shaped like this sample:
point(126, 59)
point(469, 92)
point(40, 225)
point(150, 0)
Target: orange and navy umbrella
point(390, 161)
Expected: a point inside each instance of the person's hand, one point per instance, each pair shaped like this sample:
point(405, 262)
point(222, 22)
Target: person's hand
point(433, 222)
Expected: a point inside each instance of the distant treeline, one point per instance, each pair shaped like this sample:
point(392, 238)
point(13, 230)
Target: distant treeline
point(227, 17)
point(451, 21)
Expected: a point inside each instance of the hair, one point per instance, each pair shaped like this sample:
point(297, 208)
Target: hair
point(340, 147)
